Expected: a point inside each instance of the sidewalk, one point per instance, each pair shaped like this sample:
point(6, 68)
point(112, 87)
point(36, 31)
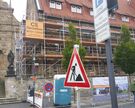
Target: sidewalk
point(120, 105)
point(83, 105)
point(87, 104)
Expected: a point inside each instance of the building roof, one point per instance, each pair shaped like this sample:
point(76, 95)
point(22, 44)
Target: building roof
point(75, 2)
point(66, 10)
point(125, 8)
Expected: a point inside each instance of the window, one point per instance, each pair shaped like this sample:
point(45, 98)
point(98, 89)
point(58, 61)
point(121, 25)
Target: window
point(55, 5)
point(52, 4)
point(76, 9)
point(73, 8)
point(112, 16)
point(58, 5)
point(125, 19)
point(91, 12)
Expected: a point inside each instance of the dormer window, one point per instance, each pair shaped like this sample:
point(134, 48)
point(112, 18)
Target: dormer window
point(58, 5)
point(73, 8)
point(55, 4)
point(76, 9)
point(125, 19)
point(91, 12)
point(52, 4)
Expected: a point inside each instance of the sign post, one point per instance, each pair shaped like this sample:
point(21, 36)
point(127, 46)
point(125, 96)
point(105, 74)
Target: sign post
point(48, 87)
point(102, 32)
point(78, 97)
point(76, 76)
point(77, 89)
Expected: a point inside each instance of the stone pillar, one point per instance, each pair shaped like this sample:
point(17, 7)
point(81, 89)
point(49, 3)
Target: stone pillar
point(10, 87)
point(15, 88)
point(3, 65)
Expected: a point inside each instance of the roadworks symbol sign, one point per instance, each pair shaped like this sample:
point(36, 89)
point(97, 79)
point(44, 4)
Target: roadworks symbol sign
point(76, 75)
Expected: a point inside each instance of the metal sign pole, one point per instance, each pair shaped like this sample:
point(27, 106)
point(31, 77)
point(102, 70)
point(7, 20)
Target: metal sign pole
point(34, 75)
point(78, 97)
point(111, 73)
point(77, 89)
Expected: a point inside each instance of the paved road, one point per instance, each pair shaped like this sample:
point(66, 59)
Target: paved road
point(27, 105)
point(126, 105)
point(18, 105)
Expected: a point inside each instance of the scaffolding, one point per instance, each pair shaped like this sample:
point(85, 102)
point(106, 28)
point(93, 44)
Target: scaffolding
point(20, 68)
point(48, 51)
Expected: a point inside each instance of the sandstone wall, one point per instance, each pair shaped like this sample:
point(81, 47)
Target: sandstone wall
point(8, 26)
point(15, 88)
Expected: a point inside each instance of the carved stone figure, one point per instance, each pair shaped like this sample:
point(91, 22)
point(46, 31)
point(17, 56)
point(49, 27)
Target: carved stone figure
point(10, 57)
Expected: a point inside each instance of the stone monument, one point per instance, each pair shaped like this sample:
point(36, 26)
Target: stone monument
point(10, 57)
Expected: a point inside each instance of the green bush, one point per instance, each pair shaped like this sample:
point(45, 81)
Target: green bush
point(132, 87)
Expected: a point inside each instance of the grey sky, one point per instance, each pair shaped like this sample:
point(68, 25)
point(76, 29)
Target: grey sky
point(19, 8)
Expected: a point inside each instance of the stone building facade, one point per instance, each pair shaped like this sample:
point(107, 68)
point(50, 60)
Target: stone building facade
point(8, 26)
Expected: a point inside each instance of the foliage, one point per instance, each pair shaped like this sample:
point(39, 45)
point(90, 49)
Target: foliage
point(69, 44)
point(125, 34)
point(132, 87)
point(124, 56)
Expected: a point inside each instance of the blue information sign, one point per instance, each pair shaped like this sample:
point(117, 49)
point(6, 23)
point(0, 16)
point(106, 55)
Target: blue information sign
point(98, 2)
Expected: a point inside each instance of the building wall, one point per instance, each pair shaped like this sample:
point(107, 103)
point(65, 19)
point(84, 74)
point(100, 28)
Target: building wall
point(15, 88)
point(57, 19)
point(31, 10)
point(8, 25)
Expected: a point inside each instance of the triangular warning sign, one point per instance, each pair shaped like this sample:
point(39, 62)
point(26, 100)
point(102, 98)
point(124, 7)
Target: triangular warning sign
point(76, 75)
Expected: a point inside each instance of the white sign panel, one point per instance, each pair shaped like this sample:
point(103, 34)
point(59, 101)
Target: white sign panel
point(75, 72)
point(101, 20)
point(101, 85)
point(38, 99)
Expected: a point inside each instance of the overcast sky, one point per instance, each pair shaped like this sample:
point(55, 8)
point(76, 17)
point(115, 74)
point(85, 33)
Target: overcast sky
point(19, 8)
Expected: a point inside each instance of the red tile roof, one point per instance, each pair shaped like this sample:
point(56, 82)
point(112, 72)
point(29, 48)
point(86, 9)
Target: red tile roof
point(66, 10)
point(87, 3)
point(124, 8)
point(76, 2)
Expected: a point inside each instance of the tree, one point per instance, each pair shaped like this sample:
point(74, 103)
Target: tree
point(124, 55)
point(69, 44)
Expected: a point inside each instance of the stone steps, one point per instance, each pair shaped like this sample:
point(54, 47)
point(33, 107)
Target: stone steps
point(9, 100)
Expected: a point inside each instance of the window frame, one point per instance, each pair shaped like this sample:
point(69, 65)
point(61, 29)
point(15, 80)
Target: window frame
point(76, 9)
point(125, 18)
point(55, 5)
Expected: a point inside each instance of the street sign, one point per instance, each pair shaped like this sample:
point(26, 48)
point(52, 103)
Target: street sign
point(101, 20)
point(102, 32)
point(48, 87)
point(76, 75)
